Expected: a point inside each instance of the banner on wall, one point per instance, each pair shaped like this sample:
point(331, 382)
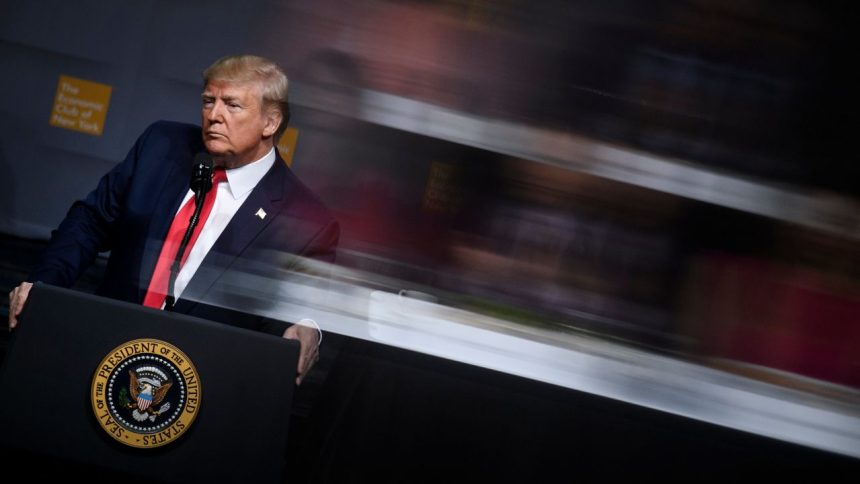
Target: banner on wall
point(287, 145)
point(80, 105)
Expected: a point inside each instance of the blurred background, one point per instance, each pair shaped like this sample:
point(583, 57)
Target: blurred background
point(641, 216)
point(677, 176)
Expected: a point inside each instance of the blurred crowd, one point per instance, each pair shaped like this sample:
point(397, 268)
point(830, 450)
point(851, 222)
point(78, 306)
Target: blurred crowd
point(752, 89)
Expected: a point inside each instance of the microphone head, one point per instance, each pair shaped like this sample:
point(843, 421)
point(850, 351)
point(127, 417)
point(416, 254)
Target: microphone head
point(201, 172)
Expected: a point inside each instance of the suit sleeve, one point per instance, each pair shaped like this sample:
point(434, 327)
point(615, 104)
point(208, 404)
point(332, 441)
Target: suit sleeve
point(89, 225)
point(322, 248)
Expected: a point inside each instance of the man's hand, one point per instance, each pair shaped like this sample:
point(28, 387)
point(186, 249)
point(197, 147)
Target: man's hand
point(309, 338)
point(17, 299)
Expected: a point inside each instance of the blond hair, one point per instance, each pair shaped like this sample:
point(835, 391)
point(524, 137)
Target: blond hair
point(252, 68)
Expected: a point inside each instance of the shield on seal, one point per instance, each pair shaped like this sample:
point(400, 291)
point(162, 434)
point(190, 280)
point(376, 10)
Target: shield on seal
point(143, 401)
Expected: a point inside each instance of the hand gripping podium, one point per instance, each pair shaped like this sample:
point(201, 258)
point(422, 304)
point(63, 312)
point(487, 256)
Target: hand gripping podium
point(135, 392)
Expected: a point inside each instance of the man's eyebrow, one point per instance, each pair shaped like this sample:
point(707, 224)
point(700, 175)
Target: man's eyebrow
point(226, 97)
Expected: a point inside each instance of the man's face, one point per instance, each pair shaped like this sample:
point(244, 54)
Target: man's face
point(236, 128)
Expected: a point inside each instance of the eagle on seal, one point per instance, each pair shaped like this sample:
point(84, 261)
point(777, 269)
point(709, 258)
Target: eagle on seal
point(144, 396)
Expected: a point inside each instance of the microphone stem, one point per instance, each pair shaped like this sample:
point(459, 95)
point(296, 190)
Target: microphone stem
point(170, 299)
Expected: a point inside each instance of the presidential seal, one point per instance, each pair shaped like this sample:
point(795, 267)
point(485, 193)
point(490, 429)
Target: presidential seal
point(146, 393)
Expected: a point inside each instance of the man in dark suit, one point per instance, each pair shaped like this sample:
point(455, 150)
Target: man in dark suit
point(260, 217)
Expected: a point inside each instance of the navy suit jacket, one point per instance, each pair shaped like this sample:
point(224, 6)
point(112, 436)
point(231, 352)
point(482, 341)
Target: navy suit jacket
point(133, 206)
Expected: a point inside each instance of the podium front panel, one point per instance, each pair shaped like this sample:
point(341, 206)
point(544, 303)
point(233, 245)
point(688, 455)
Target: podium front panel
point(241, 399)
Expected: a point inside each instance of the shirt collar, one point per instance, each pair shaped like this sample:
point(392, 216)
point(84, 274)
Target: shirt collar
point(243, 179)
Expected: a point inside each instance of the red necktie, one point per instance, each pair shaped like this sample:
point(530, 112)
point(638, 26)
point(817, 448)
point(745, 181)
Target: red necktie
point(157, 291)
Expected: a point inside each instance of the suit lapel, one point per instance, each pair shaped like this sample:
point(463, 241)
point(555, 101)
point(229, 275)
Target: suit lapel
point(243, 228)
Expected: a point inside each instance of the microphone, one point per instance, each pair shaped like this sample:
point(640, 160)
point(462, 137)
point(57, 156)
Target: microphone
point(201, 173)
point(201, 183)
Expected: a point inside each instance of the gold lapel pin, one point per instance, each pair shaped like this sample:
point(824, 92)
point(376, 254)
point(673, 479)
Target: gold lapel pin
point(261, 213)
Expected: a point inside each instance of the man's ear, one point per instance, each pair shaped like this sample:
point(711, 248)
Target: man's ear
point(274, 118)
